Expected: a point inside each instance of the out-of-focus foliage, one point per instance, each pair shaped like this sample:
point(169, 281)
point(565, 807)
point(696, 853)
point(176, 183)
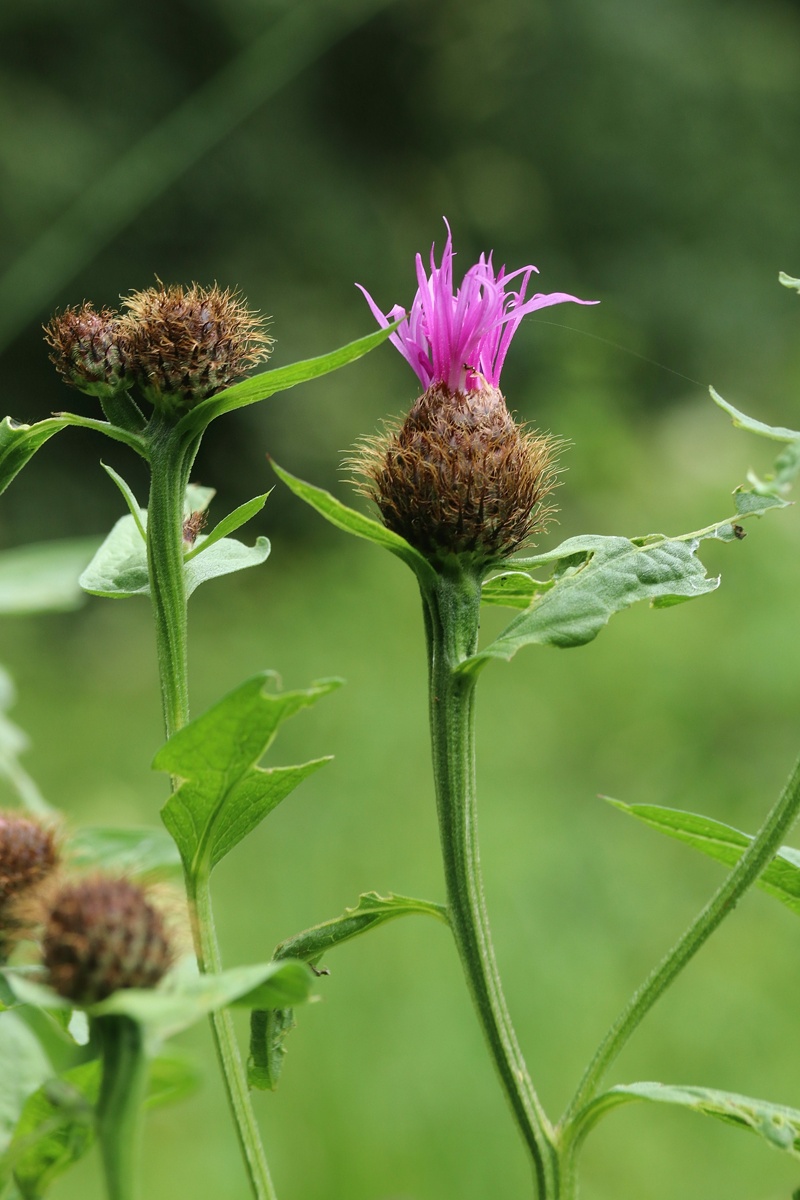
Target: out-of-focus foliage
point(642, 154)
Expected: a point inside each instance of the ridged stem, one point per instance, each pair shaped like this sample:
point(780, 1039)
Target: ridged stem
point(171, 457)
point(452, 609)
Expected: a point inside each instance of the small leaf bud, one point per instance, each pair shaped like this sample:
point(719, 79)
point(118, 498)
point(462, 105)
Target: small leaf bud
point(100, 935)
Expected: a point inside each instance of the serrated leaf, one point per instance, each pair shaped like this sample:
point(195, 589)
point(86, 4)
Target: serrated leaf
point(43, 577)
point(229, 524)
point(778, 1125)
point(269, 1027)
point(224, 794)
point(356, 523)
point(513, 589)
point(56, 1128)
point(267, 383)
point(595, 577)
point(119, 568)
point(132, 852)
point(780, 879)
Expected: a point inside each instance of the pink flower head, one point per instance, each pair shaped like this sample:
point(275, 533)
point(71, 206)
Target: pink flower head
point(460, 339)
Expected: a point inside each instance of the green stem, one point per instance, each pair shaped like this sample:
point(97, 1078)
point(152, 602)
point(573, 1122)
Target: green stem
point(452, 610)
point(230, 1060)
point(119, 1106)
point(755, 858)
point(171, 457)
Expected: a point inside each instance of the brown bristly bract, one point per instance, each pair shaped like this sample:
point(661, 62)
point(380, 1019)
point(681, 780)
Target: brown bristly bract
point(188, 343)
point(29, 853)
point(88, 348)
point(459, 477)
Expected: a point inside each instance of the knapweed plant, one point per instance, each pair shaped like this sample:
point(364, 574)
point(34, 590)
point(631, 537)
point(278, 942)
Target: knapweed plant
point(99, 965)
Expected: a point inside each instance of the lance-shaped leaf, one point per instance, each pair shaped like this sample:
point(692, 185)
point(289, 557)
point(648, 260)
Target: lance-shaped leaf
point(269, 1027)
point(267, 383)
point(778, 1125)
point(593, 578)
point(19, 443)
point(356, 523)
point(224, 794)
point(780, 879)
point(787, 464)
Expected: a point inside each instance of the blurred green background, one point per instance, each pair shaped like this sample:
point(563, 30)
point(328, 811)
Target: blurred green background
point(640, 153)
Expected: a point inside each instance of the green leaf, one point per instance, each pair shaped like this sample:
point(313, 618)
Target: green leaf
point(26, 1068)
point(270, 1027)
point(778, 1125)
point(370, 911)
point(229, 524)
point(19, 443)
point(513, 589)
point(184, 997)
point(788, 281)
point(13, 742)
point(129, 498)
point(742, 421)
point(267, 383)
point(780, 879)
point(224, 557)
point(43, 577)
point(119, 568)
point(595, 577)
point(131, 852)
point(356, 523)
point(56, 1128)
point(224, 794)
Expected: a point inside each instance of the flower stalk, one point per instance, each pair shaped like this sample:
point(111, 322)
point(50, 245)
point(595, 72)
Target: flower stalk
point(451, 617)
point(118, 1115)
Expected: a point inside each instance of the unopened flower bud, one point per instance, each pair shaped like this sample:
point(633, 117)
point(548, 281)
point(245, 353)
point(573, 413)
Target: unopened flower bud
point(28, 854)
point(187, 344)
point(100, 935)
point(460, 477)
point(88, 349)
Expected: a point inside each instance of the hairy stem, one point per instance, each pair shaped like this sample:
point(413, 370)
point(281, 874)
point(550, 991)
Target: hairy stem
point(452, 609)
point(171, 457)
point(755, 858)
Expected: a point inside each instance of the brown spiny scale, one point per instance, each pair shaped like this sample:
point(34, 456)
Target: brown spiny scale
point(188, 343)
point(88, 349)
point(102, 934)
point(460, 477)
point(28, 854)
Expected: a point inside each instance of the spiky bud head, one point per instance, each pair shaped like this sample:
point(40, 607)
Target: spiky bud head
point(28, 854)
point(459, 478)
point(187, 344)
point(88, 349)
point(100, 935)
